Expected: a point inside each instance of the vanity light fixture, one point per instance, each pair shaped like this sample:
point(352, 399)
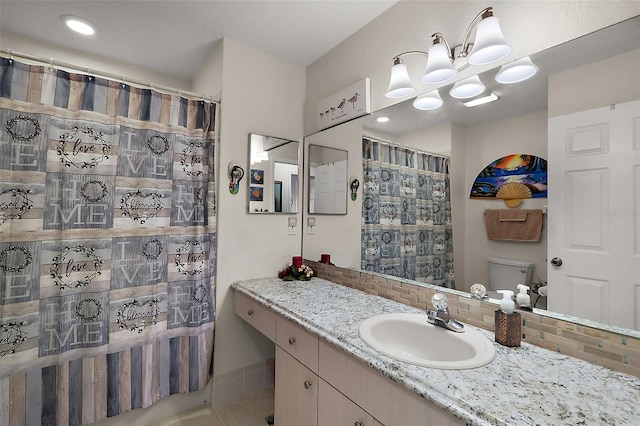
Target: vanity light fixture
point(439, 66)
point(517, 71)
point(79, 25)
point(490, 45)
point(400, 83)
point(428, 101)
point(481, 101)
point(444, 61)
point(467, 88)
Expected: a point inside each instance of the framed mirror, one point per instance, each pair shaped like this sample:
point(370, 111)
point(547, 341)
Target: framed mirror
point(327, 180)
point(592, 72)
point(273, 183)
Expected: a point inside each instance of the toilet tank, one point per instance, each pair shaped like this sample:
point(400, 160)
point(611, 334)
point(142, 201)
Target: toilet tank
point(506, 274)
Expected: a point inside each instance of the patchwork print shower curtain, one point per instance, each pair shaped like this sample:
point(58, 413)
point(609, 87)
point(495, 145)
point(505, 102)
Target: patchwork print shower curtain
point(406, 214)
point(107, 246)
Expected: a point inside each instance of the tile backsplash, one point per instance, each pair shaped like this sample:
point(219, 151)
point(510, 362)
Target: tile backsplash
point(607, 348)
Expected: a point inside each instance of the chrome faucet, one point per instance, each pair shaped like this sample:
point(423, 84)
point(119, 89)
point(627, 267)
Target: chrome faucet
point(440, 315)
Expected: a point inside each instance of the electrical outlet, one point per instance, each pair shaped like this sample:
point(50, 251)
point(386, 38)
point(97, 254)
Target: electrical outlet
point(293, 223)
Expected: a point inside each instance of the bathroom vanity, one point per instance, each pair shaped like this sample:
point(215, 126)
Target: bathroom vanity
point(321, 362)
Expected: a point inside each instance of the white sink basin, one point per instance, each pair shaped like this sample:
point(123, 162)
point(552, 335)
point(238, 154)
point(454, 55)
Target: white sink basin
point(410, 338)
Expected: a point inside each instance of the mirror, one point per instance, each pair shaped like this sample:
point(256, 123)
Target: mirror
point(327, 180)
point(273, 175)
point(473, 137)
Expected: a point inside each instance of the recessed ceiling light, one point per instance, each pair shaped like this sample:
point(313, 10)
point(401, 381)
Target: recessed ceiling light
point(78, 25)
point(382, 119)
point(480, 101)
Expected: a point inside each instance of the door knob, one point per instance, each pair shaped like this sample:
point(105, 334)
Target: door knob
point(556, 261)
point(307, 384)
point(292, 340)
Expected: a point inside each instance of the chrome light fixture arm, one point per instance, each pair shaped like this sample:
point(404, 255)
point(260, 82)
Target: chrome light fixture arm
point(398, 58)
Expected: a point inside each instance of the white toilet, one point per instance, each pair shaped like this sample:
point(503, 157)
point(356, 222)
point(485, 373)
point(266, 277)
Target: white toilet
point(506, 274)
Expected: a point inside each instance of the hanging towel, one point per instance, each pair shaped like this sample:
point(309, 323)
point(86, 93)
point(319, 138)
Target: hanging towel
point(513, 225)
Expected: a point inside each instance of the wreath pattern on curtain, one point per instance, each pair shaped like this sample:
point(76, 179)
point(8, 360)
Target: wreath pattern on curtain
point(107, 245)
point(406, 214)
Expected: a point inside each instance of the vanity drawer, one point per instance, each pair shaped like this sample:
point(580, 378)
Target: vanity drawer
point(259, 316)
point(301, 344)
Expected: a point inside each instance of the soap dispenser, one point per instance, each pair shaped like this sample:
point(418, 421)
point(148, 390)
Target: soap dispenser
point(507, 322)
point(522, 299)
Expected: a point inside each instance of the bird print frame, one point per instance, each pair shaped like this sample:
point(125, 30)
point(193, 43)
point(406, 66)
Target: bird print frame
point(346, 104)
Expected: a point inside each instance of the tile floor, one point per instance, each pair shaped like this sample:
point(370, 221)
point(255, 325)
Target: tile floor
point(250, 410)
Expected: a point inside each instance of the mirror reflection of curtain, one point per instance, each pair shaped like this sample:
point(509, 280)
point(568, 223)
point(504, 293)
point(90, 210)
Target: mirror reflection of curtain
point(406, 213)
point(277, 196)
point(107, 245)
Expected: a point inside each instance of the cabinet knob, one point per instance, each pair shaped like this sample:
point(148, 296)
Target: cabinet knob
point(292, 340)
point(250, 312)
point(358, 424)
point(307, 384)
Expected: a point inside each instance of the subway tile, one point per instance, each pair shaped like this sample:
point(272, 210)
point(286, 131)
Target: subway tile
point(552, 346)
point(601, 334)
point(563, 341)
point(476, 322)
point(541, 327)
point(572, 335)
point(602, 353)
point(386, 284)
point(577, 353)
point(371, 291)
point(618, 366)
point(634, 343)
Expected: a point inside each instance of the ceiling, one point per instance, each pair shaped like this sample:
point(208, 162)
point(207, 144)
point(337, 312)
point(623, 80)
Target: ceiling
point(175, 37)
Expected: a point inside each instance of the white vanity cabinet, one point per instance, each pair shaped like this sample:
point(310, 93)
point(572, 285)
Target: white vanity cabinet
point(259, 316)
point(296, 396)
point(337, 409)
point(387, 401)
point(318, 384)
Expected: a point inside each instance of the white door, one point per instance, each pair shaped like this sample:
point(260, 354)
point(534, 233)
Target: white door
point(594, 215)
point(331, 188)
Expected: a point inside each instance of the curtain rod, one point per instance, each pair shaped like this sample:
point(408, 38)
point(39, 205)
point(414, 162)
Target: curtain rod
point(377, 139)
point(11, 54)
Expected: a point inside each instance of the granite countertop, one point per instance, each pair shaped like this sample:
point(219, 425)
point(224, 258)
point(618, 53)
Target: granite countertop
point(527, 385)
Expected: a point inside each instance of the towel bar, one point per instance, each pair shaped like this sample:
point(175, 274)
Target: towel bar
point(544, 209)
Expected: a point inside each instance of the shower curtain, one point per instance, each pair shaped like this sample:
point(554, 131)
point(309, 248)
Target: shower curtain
point(406, 213)
point(107, 245)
